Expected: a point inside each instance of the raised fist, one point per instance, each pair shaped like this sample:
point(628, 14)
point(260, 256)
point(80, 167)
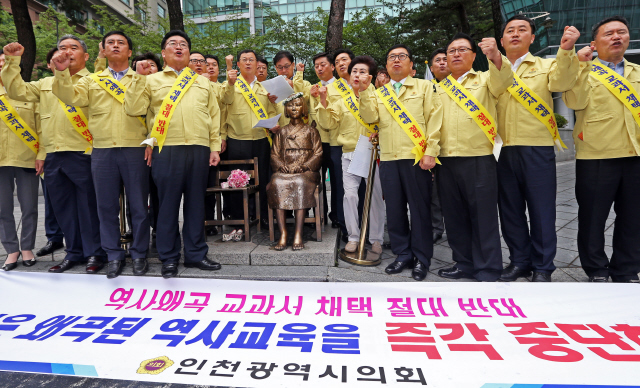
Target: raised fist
point(143, 68)
point(585, 54)
point(300, 67)
point(232, 76)
point(490, 48)
point(569, 38)
point(365, 82)
point(315, 91)
point(101, 53)
point(323, 93)
point(229, 60)
point(61, 60)
point(14, 49)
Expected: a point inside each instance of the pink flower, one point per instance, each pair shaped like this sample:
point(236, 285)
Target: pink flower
point(238, 178)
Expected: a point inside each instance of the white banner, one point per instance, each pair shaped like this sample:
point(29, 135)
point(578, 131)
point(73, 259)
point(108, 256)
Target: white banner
point(290, 334)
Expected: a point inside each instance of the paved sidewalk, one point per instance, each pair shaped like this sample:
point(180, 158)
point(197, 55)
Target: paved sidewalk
point(237, 259)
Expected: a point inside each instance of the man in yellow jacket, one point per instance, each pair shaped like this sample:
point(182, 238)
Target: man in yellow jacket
point(405, 180)
point(188, 132)
point(67, 142)
point(117, 152)
point(606, 101)
point(527, 165)
point(468, 182)
point(243, 141)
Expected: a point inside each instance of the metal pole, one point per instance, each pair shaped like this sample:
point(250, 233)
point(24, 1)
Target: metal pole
point(361, 256)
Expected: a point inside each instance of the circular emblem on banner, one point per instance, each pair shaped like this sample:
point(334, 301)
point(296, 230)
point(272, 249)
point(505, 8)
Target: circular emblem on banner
point(154, 366)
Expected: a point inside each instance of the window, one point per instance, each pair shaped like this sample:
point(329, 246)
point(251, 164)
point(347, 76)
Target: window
point(142, 14)
point(160, 11)
point(126, 2)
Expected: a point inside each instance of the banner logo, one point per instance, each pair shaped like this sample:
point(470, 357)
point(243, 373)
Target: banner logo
point(154, 366)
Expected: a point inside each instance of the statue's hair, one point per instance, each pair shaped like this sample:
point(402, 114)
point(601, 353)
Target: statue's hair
point(295, 96)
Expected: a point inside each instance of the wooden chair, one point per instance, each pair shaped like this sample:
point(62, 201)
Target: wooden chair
point(318, 218)
point(248, 190)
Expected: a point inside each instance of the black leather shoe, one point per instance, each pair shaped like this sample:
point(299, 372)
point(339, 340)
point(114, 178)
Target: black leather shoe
point(65, 265)
point(334, 225)
point(436, 236)
point(169, 270)
point(212, 231)
point(29, 263)
point(419, 271)
point(206, 264)
point(140, 266)
point(598, 279)
point(48, 249)
point(512, 272)
point(453, 273)
point(541, 277)
point(398, 266)
point(114, 268)
point(127, 236)
point(94, 264)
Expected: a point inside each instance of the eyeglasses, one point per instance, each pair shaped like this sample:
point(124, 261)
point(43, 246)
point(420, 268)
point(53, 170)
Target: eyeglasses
point(401, 57)
point(245, 60)
point(198, 61)
point(461, 50)
point(280, 68)
point(182, 45)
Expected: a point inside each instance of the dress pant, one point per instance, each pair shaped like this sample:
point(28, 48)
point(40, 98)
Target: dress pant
point(327, 165)
point(210, 200)
point(599, 184)
point(249, 149)
point(111, 168)
point(177, 171)
point(68, 178)
point(154, 202)
point(404, 183)
point(336, 159)
point(527, 181)
point(351, 184)
point(469, 196)
point(51, 227)
point(27, 183)
point(436, 209)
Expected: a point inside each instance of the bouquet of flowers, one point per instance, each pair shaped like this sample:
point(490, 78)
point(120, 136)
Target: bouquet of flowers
point(238, 178)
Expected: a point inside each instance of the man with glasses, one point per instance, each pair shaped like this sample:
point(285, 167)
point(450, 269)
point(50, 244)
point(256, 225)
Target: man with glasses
point(468, 182)
point(243, 141)
point(405, 165)
point(607, 136)
point(527, 165)
point(186, 129)
point(197, 63)
point(68, 142)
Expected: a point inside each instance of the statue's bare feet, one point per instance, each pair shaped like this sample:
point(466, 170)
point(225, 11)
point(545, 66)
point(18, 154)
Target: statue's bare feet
point(282, 243)
point(297, 243)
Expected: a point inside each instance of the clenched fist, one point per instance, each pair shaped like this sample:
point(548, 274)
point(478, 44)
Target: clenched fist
point(315, 91)
point(232, 76)
point(490, 48)
point(143, 68)
point(323, 96)
point(61, 60)
point(14, 49)
point(365, 82)
point(585, 54)
point(569, 38)
point(300, 67)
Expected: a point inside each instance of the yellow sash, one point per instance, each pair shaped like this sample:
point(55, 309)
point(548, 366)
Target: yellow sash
point(352, 105)
point(79, 122)
point(619, 87)
point(169, 104)
point(537, 107)
point(13, 120)
point(115, 88)
point(254, 103)
point(465, 100)
point(405, 120)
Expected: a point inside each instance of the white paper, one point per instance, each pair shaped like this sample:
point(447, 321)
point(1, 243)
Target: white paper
point(268, 123)
point(497, 146)
point(361, 159)
point(279, 87)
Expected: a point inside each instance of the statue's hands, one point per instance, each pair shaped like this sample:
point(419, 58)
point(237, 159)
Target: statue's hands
point(284, 169)
point(14, 49)
point(373, 136)
point(296, 169)
point(315, 91)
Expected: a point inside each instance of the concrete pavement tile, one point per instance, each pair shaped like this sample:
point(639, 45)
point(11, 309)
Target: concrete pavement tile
point(566, 216)
point(336, 274)
point(568, 233)
point(572, 225)
point(255, 272)
point(577, 274)
point(567, 243)
point(560, 276)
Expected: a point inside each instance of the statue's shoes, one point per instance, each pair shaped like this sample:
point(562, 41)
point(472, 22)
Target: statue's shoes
point(229, 236)
point(238, 235)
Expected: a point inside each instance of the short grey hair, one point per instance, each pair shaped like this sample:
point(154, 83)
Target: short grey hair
point(69, 36)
